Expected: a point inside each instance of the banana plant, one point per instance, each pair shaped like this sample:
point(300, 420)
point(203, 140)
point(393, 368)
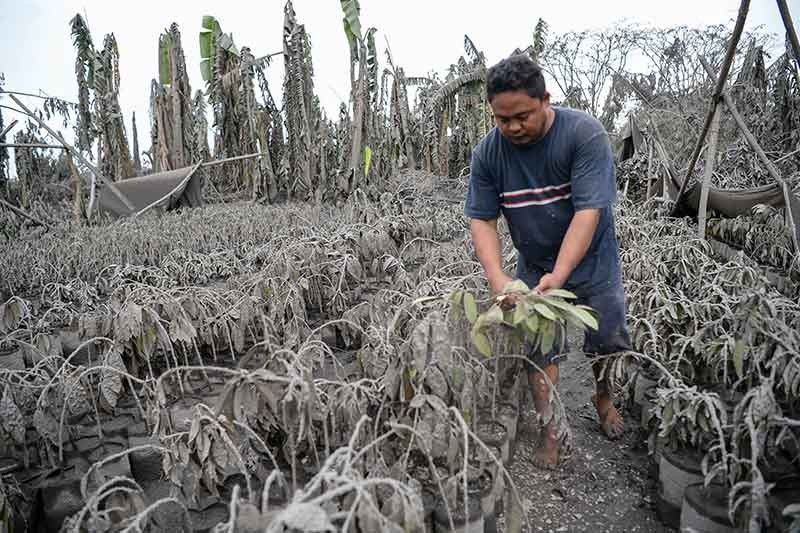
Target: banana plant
point(173, 136)
point(363, 82)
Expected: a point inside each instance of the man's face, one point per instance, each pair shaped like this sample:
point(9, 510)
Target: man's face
point(520, 118)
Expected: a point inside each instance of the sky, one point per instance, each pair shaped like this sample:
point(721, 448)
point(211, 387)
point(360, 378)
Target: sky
point(36, 52)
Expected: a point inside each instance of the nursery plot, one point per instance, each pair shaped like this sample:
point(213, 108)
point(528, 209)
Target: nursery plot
point(322, 375)
point(317, 349)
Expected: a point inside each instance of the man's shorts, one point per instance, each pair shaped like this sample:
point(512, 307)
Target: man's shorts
point(612, 335)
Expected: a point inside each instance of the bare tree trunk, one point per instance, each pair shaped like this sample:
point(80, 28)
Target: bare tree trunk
point(77, 204)
point(357, 137)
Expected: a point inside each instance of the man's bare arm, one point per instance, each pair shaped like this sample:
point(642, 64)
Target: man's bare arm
point(487, 248)
point(573, 249)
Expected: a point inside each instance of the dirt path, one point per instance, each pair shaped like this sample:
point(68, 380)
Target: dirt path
point(602, 486)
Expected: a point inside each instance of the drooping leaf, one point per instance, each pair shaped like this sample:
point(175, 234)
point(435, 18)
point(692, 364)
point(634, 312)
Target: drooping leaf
point(738, 357)
point(481, 342)
point(493, 316)
point(305, 517)
point(110, 380)
point(11, 418)
point(470, 307)
point(562, 293)
point(586, 316)
point(367, 159)
point(532, 323)
point(46, 424)
point(352, 22)
point(547, 332)
point(545, 311)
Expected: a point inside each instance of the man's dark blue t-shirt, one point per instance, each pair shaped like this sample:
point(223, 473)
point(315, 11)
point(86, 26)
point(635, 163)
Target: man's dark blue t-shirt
point(539, 186)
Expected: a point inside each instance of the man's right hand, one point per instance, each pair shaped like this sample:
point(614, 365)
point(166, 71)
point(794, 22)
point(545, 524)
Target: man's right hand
point(498, 282)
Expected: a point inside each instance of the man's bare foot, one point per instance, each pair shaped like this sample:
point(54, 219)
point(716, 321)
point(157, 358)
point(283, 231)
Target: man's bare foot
point(610, 420)
point(546, 454)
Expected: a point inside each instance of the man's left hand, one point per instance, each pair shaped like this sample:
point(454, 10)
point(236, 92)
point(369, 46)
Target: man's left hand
point(549, 282)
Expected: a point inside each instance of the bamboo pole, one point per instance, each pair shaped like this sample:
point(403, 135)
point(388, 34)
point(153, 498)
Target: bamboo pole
point(711, 158)
point(790, 31)
point(75, 152)
point(16, 210)
point(723, 75)
point(31, 145)
point(768, 164)
point(8, 128)
point(230, 159)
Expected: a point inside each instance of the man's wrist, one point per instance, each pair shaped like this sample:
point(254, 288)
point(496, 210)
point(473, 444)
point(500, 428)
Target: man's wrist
point(560, 274)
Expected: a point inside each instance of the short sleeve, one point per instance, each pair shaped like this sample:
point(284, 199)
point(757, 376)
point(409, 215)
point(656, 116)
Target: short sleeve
point(483, 199)
point(593, 179)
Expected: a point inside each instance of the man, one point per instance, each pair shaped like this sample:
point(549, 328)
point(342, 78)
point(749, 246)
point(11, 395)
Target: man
point(550, 172)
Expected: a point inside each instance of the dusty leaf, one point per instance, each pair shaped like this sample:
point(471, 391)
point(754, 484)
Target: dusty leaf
point(128, 322)
point(738, 357)
point(46, 424)
point(75, 393)
point(111, 380)
point(419, 345)
point(11, 418)
point(306, 517)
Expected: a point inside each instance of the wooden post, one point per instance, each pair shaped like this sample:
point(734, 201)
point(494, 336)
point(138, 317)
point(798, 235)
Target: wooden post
point(723, 74)
point(711, 158)
point(769, 165)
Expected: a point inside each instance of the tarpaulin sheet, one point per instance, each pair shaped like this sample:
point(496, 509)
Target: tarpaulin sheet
point(170, 189)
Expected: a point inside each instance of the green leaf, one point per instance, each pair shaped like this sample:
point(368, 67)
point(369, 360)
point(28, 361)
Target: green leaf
point(367, 159)
point(582, 314)
point(481, 342)
point(562, 293)
point(352, 23)
point(532, 323)
point(545, 311)
point(515, 286)
point(520, 314)
point(493, 316)
point(738, 357)
point(165, 59)
point(470, 307)
point(455, 297)
point(547, 336)
point(585, 316)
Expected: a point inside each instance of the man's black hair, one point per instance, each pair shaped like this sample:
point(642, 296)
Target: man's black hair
point(517, 72)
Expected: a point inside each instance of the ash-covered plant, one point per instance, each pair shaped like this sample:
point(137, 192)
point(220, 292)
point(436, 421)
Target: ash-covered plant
point(525, 314)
